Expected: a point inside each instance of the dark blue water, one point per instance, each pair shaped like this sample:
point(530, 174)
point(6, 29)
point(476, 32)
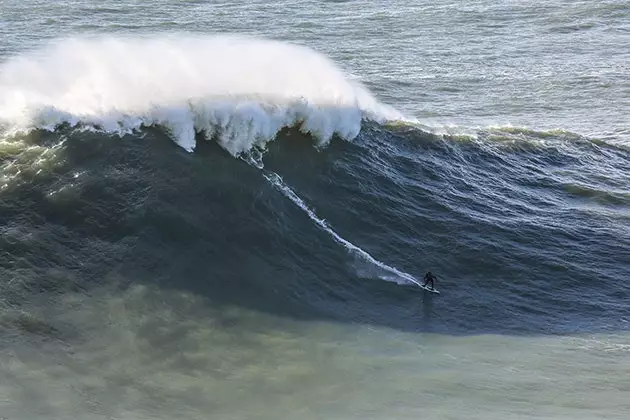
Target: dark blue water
point(520, 241)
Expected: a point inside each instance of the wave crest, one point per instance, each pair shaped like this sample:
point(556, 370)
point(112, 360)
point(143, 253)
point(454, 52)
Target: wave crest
point(240, 91)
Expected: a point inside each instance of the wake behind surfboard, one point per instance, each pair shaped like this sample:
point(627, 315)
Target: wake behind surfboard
point(392, 274)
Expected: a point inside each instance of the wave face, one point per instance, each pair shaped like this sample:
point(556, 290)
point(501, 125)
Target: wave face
point(526, 234)
point(240, 91)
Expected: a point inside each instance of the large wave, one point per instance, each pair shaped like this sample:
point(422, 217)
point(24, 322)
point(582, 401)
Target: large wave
point(238, 90)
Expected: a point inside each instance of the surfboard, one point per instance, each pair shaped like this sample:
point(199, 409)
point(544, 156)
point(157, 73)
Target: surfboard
point(428, 289)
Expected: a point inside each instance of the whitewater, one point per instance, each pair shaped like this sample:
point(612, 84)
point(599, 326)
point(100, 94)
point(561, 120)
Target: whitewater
point(238, 90)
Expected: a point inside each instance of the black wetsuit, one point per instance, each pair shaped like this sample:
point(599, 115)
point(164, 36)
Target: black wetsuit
point(429, 278)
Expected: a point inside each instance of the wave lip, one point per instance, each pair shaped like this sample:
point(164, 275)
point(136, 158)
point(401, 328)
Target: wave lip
point(240, 91)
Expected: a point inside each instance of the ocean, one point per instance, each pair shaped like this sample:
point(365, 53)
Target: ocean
point(221, 210)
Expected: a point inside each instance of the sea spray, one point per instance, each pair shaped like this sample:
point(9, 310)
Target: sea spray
point(237, 90)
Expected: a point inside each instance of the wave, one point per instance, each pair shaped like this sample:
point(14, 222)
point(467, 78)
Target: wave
point(238, 90)
point(505, 137)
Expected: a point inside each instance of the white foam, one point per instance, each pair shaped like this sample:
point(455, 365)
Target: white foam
point(239, 90)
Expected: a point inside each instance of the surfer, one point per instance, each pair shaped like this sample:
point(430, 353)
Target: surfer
point(429, 277)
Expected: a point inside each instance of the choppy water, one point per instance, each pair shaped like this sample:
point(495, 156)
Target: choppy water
point(220, 210)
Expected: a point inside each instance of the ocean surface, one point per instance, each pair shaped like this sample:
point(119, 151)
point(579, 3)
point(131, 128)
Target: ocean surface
point(220, 210)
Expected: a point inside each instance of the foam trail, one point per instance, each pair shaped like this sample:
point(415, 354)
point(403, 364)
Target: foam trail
point(237, 90)
point(396, 275)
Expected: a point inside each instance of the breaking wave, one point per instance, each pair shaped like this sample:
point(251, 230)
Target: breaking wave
point(236, 90)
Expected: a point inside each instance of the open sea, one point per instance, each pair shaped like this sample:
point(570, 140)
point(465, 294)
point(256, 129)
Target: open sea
point(220, 210)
